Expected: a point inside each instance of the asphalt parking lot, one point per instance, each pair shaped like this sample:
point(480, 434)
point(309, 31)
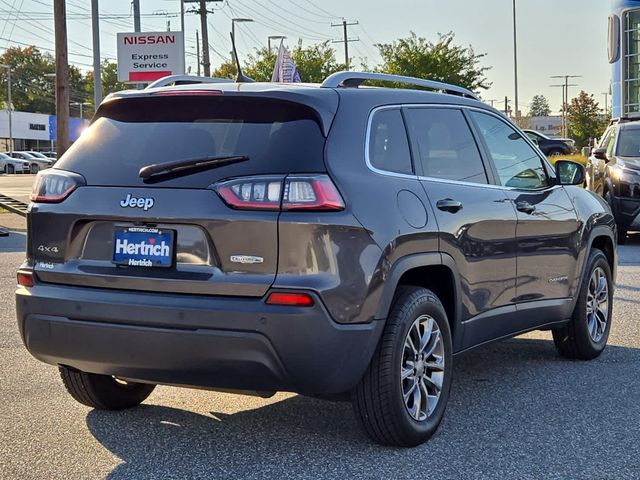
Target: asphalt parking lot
point(517, 410)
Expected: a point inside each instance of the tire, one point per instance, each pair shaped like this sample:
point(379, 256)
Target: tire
point(103, 392)
point(11, 169)
point(379, 399)
point(578, 339)
point(622, 235)
point(554, 152)
point(33, 168)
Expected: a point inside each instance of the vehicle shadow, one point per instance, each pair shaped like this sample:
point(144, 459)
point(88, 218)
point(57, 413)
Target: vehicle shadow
point(516, 410)
point(14, 243)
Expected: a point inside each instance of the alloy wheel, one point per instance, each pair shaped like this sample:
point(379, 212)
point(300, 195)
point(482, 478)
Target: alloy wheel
point(422, 368)
point(597, 304)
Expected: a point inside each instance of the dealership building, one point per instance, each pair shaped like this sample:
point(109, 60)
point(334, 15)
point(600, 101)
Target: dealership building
point(34, 131)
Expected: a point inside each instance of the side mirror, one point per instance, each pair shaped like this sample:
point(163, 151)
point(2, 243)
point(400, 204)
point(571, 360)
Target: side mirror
point(570, 172)
point(601, 154)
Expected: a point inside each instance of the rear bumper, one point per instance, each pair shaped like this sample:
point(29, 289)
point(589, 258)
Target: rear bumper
point(195, 341)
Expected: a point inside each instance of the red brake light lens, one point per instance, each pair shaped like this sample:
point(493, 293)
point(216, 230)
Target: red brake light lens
point(53, 186)
point(290, 299)
point(177, 93)
point(294, 192)
point(252, 193)
point(25, 279)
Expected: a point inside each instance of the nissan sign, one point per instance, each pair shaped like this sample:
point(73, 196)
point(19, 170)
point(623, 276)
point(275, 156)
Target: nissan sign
point(147, 56)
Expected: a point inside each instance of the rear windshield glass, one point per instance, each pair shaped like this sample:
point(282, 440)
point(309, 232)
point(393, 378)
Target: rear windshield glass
point(278, 137)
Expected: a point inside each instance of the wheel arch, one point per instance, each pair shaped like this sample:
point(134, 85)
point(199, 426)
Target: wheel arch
point(434, 271)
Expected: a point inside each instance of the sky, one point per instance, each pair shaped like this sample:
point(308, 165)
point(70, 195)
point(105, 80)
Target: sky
point(555, 37)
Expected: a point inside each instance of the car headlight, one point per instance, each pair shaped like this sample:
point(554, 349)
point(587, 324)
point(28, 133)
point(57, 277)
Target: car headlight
point(624, 174)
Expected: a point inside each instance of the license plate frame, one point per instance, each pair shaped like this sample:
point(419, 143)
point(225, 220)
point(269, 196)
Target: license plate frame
point(143, 256)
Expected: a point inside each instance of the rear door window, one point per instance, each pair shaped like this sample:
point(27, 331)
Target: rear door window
point(388, 143)
point(445, 145)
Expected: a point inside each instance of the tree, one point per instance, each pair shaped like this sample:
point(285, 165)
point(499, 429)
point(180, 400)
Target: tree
point(442, 61)
point(315, 63)
point(539, 106)
point(33, 80)
point(110, 83)
point(585, 121)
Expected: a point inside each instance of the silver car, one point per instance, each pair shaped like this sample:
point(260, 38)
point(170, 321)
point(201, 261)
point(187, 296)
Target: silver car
point(36, 164)
point(13, 165)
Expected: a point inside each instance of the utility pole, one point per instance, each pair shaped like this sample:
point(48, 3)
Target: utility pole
point(198, 50)
point(206, 64)
point(345, 39)
point(8, 68)
point(565, 99)
point(506, 106)
point(136, 15)
point(515, 59)
point(97, 74)
point(62, 76)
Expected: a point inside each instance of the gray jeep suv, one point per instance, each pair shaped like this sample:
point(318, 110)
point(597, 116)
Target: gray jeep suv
point(330, 240)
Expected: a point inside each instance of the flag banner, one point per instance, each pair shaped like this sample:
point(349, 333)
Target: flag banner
point(285, 70)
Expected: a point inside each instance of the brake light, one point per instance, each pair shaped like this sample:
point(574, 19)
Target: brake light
point(294, 192)
point(25, 279)
point(290, 299)
point(53, 186)
point(177, 93)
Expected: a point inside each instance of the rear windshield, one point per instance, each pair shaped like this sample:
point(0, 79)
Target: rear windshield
point(279, 137)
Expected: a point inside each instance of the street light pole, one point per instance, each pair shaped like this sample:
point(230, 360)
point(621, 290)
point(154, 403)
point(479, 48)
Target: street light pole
point(274, 37)
point(515, 59)
point(97, 74)
point(233, 32)
point(8, 67)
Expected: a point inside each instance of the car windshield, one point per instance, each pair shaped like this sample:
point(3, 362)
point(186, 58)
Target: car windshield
point(629, 142)
point(537, 134)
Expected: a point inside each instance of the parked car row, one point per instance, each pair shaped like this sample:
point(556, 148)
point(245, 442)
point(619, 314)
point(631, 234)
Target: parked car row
point(25, 162)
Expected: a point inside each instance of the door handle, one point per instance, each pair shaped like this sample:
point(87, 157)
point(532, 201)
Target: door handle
point(525, 207)
point(449, 205)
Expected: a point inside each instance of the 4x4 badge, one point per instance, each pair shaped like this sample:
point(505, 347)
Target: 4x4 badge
point(246, 259)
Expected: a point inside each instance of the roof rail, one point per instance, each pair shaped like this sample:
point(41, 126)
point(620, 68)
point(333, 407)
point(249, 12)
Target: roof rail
point(186, 80)
point(355, 79)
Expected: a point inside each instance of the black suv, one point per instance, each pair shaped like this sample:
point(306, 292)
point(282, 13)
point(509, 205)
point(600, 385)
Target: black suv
point(613, 172)
point(550, 146)
point(330, 240)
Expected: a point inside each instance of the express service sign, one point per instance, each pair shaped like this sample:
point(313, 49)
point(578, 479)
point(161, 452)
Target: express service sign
point(148, 56)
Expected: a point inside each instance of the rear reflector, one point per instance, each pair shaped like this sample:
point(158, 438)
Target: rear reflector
point(291, 299)
point(294, 192)
point(25, 279)
point(53, 186)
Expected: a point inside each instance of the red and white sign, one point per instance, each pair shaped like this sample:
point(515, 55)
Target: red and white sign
point(147, 56)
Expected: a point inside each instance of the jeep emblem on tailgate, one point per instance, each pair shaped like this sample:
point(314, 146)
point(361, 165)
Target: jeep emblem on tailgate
point(134, 202)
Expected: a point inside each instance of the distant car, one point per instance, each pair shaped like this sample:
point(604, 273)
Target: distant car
point(53, 155)
point(551, 146)
point(13, 165)
point(613, 172)
point(37, 154)
point(36, 164)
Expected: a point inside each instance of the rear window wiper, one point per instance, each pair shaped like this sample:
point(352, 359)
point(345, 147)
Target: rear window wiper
point(162, 171)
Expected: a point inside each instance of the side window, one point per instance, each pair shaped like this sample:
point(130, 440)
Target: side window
point(518, 165)
point(446, 148)
point(605, 139)
point(611, 141)
point(388, 143)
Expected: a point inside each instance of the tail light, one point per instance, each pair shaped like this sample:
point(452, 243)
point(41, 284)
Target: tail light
point(53, 186)
point(294, 192)
point(290, 299)
point(25, 279)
